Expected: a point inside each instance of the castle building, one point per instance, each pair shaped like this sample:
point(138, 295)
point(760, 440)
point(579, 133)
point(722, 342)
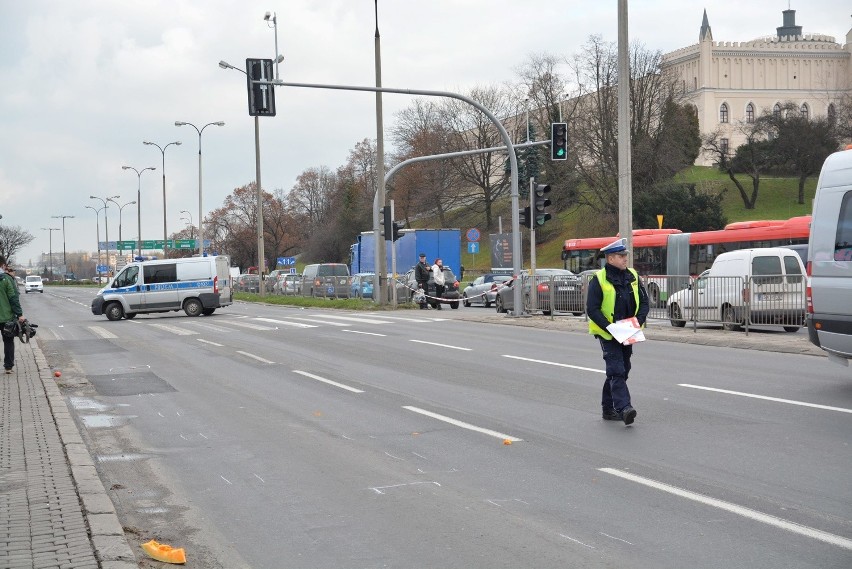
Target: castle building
point(733, 83)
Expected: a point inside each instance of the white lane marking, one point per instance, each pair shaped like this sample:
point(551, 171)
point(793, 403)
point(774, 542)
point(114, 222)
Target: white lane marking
point(441, 345)
point(172, 329)
point(735, 509)
point(249, 325)
point(366, 333)
point(462, 424)
point(554, 363)
point(576, 541)
point(352, 319)
point(258, 358)
point(615, 538)
point(209, 342)
point(259, 478)
point(212, 327)
point(286, 323)
point(766, 398)
point(328, 381)
point(378, 489)
point(226, 480)
point(105, 334)
point(400, 318)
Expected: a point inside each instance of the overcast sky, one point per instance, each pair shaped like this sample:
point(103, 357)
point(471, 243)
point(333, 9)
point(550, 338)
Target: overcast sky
point(84, 82)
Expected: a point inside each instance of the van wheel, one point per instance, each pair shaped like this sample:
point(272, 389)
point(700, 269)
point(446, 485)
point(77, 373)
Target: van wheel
point(791, 329)
point(114, 311)
point(676, 317)
point(130, 315)
point(192, 307)
point(208, 311)
point(729, 319)
point(654, 295)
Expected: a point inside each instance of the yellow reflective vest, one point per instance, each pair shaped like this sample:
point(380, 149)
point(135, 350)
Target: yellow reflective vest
point(608, 303)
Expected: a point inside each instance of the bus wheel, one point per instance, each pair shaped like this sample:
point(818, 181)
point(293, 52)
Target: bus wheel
point(114, 311)
point(192, 307)
point(676, 317)
point(654, 295)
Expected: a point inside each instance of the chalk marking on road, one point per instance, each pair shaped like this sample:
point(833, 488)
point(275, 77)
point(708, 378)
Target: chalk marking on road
point(183, 437)
point(462, 424)
point(576, 541)
point(766, 398)
point(378, 489)
point(226, 480)
point(105, 334)
point(615, 538)
point(209, 342)
point(286, 323)
point(173, 329)
point(419, 455)
point(394, 457)
point(365, 333)
point(328, 381)
point(258, 358)
point(735, 509)
point(201, 435)
point(161, 415)
point(259, 478)
point(554, 363)
point(441, 345)
point(351, 319)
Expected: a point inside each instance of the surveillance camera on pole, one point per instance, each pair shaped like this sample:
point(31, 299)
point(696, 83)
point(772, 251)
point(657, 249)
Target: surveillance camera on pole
point(261, 98)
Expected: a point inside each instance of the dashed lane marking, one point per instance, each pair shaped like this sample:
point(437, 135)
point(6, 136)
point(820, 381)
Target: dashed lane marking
point(105, 334)
point(365, 333)
point(735, 509)
point(462, 424)
point(288, 323)
point(172, 329)
point(441, 345)
point(249, 325)
point(554, 363)
point(258, 358)
point(352, 319)
point(209, 342)
point(328, 381)
point(766, 398)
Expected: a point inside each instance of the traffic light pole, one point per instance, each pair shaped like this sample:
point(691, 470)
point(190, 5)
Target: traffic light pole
point(393, 259)
point(533, 290)
point(504, 135)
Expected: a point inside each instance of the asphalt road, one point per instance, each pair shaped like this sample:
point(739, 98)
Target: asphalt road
point(272, 437)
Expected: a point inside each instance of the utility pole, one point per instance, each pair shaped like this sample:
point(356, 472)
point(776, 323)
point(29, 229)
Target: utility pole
point(625, 189)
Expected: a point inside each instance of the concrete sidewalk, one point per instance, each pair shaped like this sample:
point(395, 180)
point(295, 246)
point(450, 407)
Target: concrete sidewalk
point(54, 510)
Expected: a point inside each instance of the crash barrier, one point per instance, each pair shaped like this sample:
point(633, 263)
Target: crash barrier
point(552, 294)
point(736, 302)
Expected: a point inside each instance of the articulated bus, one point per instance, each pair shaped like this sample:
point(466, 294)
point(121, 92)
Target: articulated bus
point(670, 252)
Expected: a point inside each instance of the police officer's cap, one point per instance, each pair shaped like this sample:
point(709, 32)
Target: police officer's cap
point(617, 247)
point(422, 254)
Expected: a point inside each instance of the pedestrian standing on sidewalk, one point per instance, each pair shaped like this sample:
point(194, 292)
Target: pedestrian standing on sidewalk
point(10, 309)
point(615, 293)
point(440, 281)
point(422, 272)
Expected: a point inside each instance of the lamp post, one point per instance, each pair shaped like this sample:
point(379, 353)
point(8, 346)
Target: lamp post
point(191, 225)
point(98, 234)
point(138, 203)
point(163, 152)
point(64, 260)
point(106, 223)
point(200, 211)
point(50, 231)
point(120, 208)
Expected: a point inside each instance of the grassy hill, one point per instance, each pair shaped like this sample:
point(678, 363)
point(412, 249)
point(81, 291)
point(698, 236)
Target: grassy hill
point(777, 199)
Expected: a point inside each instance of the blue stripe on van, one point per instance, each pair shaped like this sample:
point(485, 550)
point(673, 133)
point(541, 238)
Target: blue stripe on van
point(183, 285)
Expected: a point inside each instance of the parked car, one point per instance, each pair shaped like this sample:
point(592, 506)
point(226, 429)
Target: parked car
point(287, 284)
point(326, 279)
point(272, 278)
point(248, 283)
point(567, 293)
point(362, 285)
point(33, 283)
point(483, 290)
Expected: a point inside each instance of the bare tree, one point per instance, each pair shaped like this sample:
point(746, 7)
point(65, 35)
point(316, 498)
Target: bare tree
point(752, 158)
point(12, 239)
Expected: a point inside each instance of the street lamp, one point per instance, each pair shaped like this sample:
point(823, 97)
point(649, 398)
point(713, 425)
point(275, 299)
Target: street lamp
point(64, 260)
point(200, 211)
point(138, 203)
point(98, 233)
point(106, 223)
point(50, 231)
point(163, 152)
point(191, 225)
point(120, 208)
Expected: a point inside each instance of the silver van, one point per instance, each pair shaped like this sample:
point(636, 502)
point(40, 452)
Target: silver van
point(196, 285)
point(829, 292)
point(329, 280)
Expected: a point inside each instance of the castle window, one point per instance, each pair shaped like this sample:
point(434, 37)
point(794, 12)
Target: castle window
point(749, 113)
point(723, 113)
point(723, 145)
point(804, 110)
point(832, 113)
point(776, 111)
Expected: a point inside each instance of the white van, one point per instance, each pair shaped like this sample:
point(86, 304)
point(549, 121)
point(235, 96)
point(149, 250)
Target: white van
point(748, 286)
point(196, 285)
point(829, 271)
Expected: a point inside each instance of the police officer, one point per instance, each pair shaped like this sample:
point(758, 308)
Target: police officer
point(422, 272)
point(615, 293)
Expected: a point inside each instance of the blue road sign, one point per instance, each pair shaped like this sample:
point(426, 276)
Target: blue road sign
point(473, 247)
point(102, 269)
point(286, 260)
point(472, 234)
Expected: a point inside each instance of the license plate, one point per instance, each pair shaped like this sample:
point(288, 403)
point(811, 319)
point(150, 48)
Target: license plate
point(769, 297)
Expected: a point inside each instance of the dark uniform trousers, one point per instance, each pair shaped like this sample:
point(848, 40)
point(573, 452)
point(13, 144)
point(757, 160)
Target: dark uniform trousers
point(617, 357)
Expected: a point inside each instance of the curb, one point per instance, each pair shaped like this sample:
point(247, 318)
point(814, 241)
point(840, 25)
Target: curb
point(105, 531)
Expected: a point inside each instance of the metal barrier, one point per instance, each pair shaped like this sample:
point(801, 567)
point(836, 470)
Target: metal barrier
point(553, 294)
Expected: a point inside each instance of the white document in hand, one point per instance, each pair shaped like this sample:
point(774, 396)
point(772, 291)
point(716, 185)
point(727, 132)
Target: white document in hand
point(627, 331)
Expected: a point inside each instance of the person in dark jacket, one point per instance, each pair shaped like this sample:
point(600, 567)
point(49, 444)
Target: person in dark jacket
point(422, 272)
point(615, 293)
point(10, 309)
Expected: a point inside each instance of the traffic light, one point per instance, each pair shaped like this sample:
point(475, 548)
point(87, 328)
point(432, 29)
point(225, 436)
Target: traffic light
point(261, 98)
point(396, 230)
point(540, 203)
point(559, 141)
point(526, 217)
point(387, 222)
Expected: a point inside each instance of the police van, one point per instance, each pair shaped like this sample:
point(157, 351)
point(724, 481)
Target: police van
point(196, 285)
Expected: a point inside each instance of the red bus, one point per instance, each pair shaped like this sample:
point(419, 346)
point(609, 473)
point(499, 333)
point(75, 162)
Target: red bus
point(670, 252)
